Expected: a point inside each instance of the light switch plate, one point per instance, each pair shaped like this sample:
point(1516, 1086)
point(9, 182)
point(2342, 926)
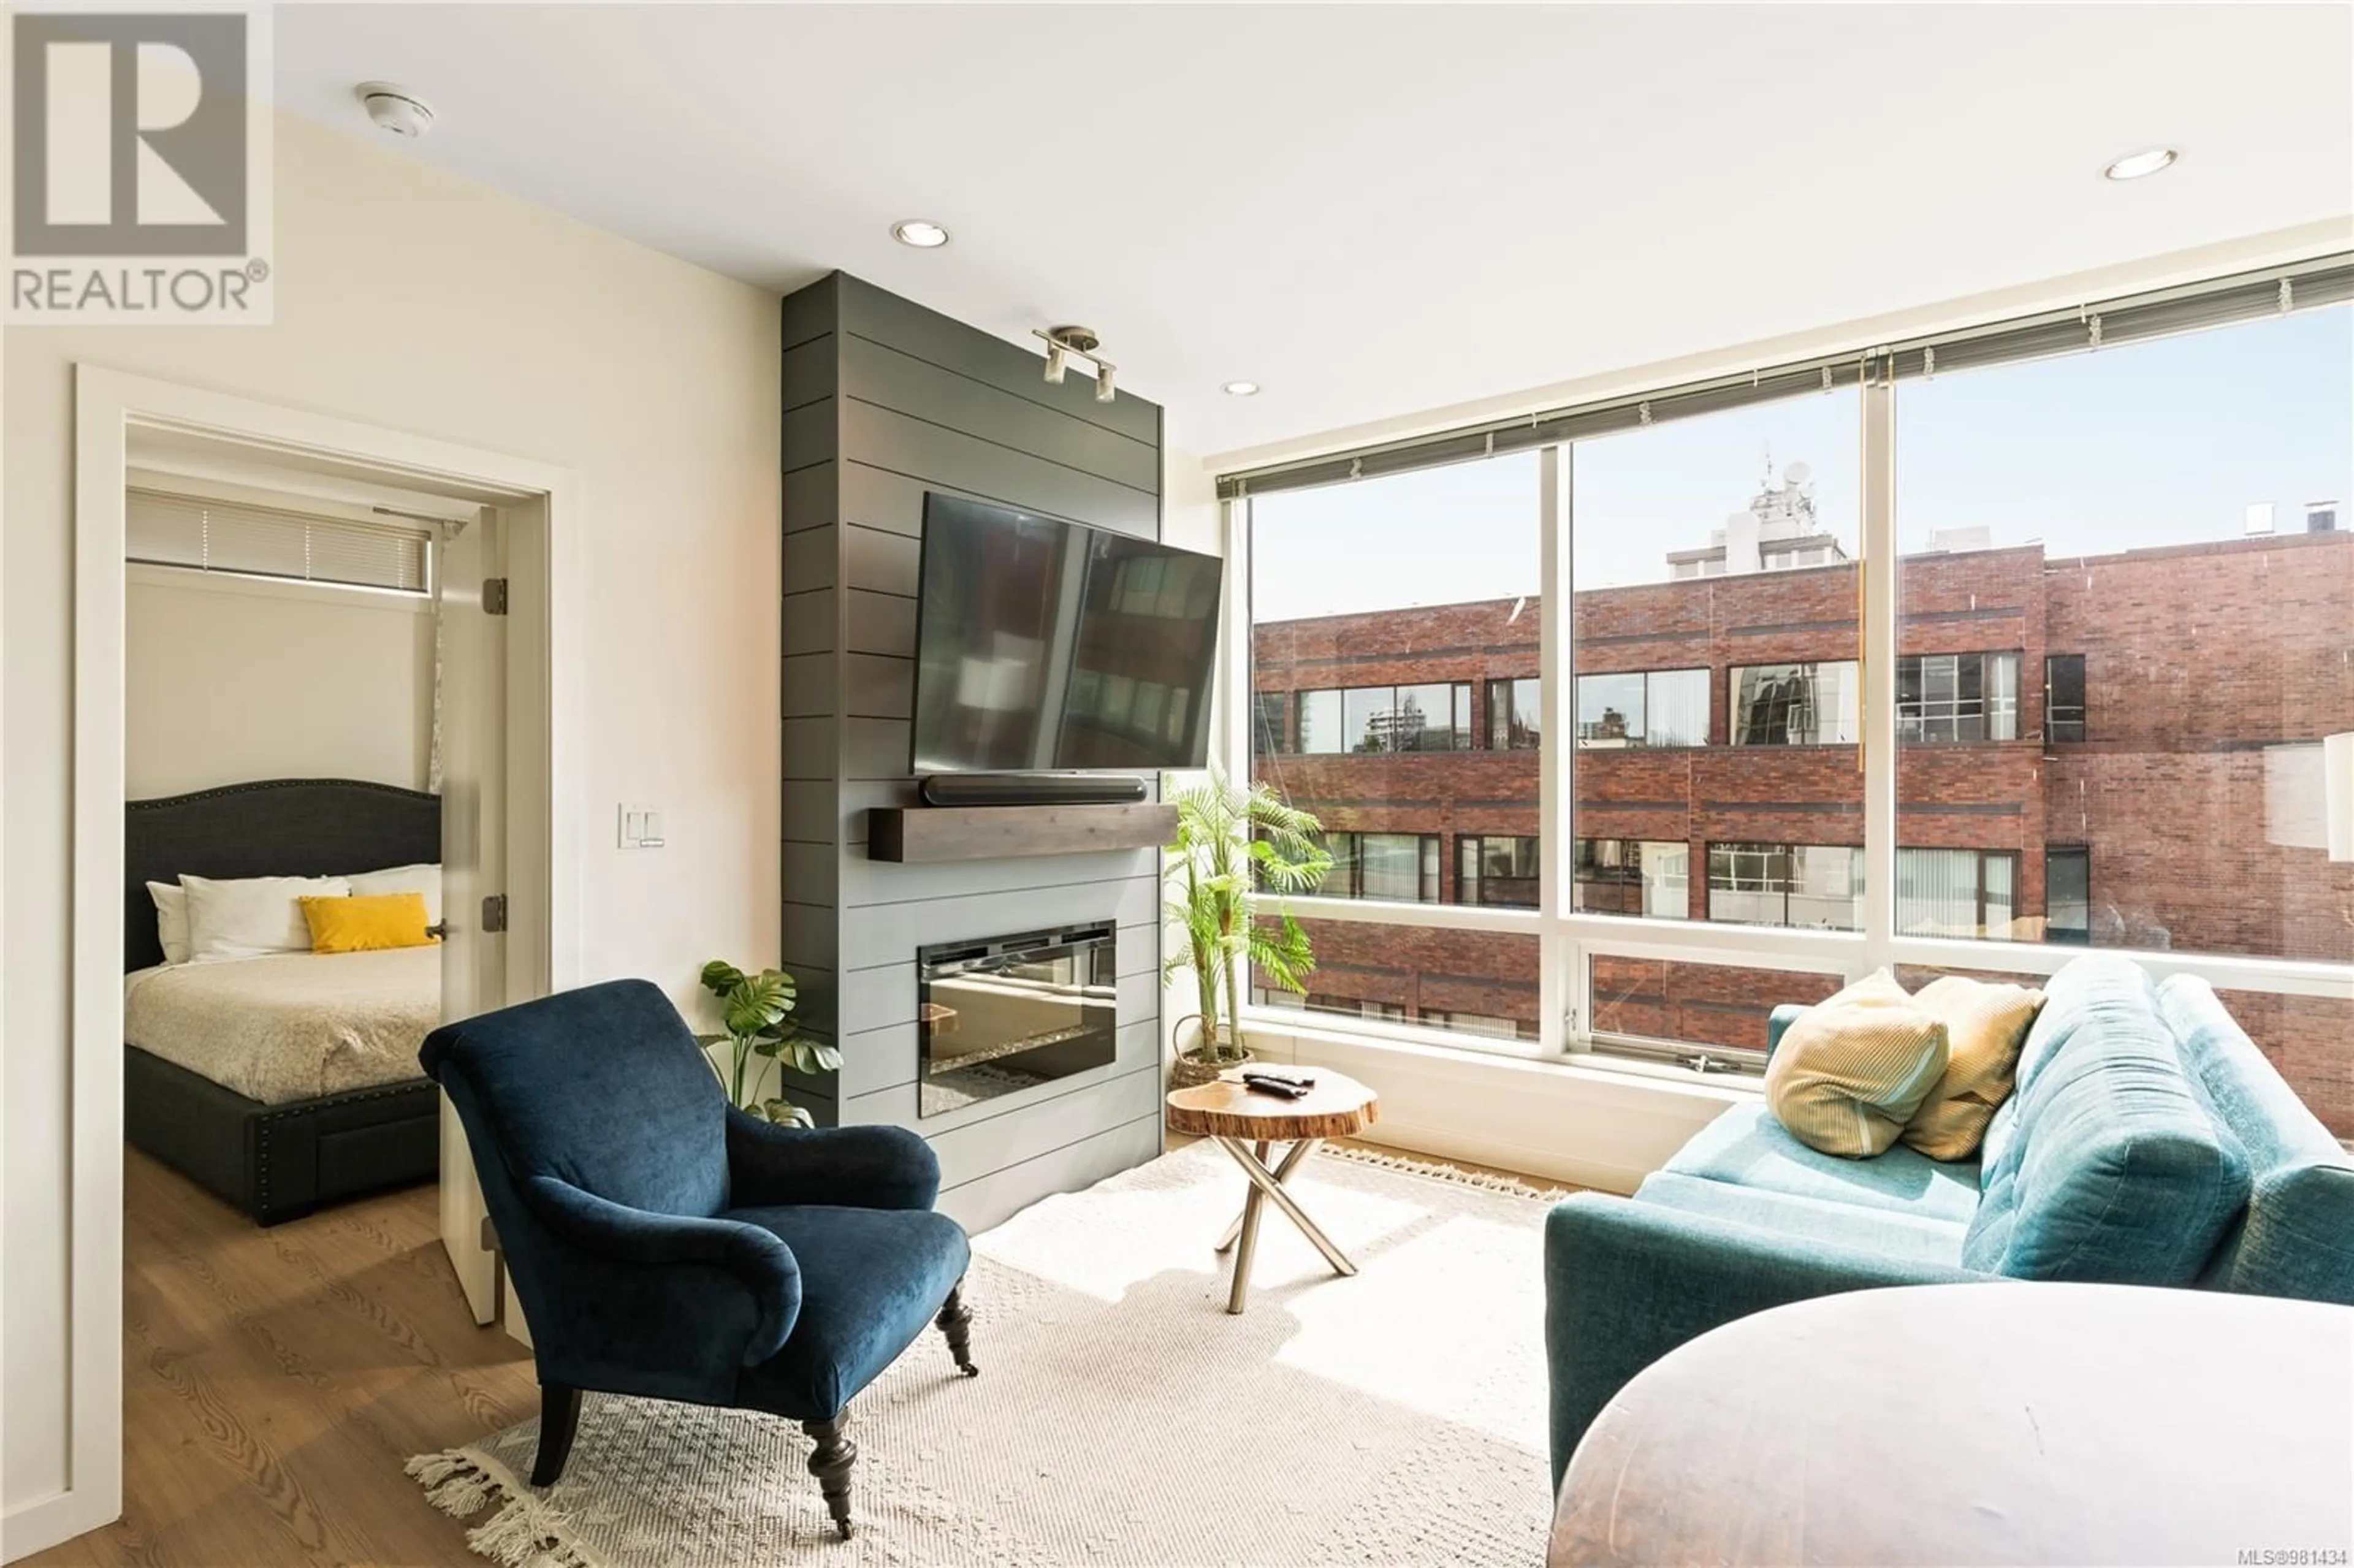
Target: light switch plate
point(639, 827)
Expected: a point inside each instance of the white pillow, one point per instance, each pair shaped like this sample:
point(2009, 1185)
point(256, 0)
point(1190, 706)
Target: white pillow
point(424, 879)
point(171, 919)
point(252, 916)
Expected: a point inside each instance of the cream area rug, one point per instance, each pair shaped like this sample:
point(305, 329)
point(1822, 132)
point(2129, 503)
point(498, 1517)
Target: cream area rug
point(1121, 1417)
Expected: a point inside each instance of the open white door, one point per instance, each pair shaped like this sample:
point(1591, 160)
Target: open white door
point(473, 862)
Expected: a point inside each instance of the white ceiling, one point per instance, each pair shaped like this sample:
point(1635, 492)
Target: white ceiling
point(1374, 210)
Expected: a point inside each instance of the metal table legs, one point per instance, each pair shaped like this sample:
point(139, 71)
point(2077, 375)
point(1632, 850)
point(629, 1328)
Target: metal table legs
point(1266, 1186)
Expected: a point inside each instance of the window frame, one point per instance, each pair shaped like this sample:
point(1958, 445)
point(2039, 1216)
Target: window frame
point(1988, 706)
point(2053, 707)
point(1569, 938)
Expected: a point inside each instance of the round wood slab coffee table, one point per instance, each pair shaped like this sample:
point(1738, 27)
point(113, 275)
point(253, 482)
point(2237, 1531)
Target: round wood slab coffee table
point(1246, 1123)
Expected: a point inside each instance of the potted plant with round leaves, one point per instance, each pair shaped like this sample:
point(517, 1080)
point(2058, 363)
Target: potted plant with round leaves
point(1234, 849)
point(756, 1010)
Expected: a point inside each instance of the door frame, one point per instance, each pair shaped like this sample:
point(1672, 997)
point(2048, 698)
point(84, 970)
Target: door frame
point(544, 878)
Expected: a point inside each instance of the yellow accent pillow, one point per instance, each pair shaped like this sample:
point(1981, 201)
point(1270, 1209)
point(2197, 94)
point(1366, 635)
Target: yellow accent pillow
point(1985, 1027)
point(366, 922)
point(1850, 1074)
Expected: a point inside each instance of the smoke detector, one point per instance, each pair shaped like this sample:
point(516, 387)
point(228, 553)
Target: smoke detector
point(394, 108)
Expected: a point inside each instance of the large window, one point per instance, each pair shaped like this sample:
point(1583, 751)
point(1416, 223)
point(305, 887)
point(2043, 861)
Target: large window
point(1496, 869)
point(2105, 621)
point(1819, 885)
point(2137, 518)
point(1958, 696)
point(1796, 705)
point(1653, 707)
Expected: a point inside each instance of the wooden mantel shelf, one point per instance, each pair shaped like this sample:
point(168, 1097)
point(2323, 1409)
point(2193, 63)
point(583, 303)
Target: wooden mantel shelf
point(914, 834)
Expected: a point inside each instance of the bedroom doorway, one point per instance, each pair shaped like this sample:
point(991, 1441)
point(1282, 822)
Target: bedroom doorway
point(418, 784)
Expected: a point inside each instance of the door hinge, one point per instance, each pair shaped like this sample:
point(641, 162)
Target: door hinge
point(495, 596)
point(495, 912)
point(490, 1237)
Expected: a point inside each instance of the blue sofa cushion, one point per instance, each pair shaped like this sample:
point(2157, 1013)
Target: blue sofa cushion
point(871, 1280)
point(1883, 1232)
point(2109, 1168)
point(1746, 1147)
point(2298, 1235)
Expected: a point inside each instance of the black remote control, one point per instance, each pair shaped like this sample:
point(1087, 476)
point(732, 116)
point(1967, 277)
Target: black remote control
point(1281, 1087)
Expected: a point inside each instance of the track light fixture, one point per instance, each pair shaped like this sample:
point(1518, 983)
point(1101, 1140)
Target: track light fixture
point(1062, 343)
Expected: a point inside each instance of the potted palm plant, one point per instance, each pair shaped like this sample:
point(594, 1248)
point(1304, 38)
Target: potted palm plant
point(1233, 848)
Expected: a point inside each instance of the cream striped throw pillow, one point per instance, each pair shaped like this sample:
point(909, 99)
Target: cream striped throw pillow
point(1985, 1027)
point(1850, 1074)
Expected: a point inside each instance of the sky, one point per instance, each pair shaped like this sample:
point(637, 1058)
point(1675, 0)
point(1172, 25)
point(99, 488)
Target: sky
point(2135, 445)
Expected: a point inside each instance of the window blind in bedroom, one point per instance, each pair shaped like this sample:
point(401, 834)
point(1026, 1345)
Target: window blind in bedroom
point(255, 541)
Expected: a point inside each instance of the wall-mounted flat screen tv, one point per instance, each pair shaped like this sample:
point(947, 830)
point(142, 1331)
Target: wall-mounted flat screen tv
point(1043, 645)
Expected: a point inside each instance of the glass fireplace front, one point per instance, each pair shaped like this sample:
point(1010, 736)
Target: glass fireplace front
point(1002, 1014)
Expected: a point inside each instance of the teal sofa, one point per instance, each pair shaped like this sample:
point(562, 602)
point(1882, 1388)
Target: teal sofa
point(2147, 1142)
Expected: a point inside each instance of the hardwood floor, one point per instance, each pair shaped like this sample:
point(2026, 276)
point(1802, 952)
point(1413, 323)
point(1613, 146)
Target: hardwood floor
point(274, 1381)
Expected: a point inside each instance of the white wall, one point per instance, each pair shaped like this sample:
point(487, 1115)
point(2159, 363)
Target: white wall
point(225, 681)
point(415, 299)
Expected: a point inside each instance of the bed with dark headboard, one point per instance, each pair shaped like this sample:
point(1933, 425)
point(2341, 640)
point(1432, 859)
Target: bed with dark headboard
point(274, 1162)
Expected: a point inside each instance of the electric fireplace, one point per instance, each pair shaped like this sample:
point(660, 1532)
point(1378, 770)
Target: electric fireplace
point(1006, 1013)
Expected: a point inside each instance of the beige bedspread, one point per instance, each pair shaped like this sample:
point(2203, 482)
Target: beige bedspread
point(290, 1026)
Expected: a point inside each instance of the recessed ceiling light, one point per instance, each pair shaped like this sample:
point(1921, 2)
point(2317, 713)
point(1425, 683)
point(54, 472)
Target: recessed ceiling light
point(921, 233)
point(2134, 165)
point(1240, 388)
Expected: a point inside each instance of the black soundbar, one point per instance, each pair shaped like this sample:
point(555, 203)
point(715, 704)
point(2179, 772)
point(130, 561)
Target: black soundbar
point(1032, 790)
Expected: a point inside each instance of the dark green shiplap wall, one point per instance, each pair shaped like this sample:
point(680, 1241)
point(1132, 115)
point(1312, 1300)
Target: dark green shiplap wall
point(883, 401)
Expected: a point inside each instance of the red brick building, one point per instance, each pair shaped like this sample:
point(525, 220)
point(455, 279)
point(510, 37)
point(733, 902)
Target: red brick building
point(2120, 750)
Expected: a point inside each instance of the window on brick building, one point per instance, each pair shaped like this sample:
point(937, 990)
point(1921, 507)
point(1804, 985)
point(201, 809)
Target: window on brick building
point(1320, 729)
point(1514, 720)
point(1651, 707)
point(1433, 717)
point(1494, 868)
point(1958, 696)
point(1481, 1024)
point(1796, 705)
point(1267, 732)
point(2067, 894)
point(2064, 696)
point(1402, 868)
point(1813, 886)
point(1632, 876)
point(1956, 893)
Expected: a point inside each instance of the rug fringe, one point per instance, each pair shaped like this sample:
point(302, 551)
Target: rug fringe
point(527, 1534)
point(453, 1482)
point(1439, 1171)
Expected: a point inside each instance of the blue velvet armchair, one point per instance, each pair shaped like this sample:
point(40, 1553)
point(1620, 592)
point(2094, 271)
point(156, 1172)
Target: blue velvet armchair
point(665, 1245)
